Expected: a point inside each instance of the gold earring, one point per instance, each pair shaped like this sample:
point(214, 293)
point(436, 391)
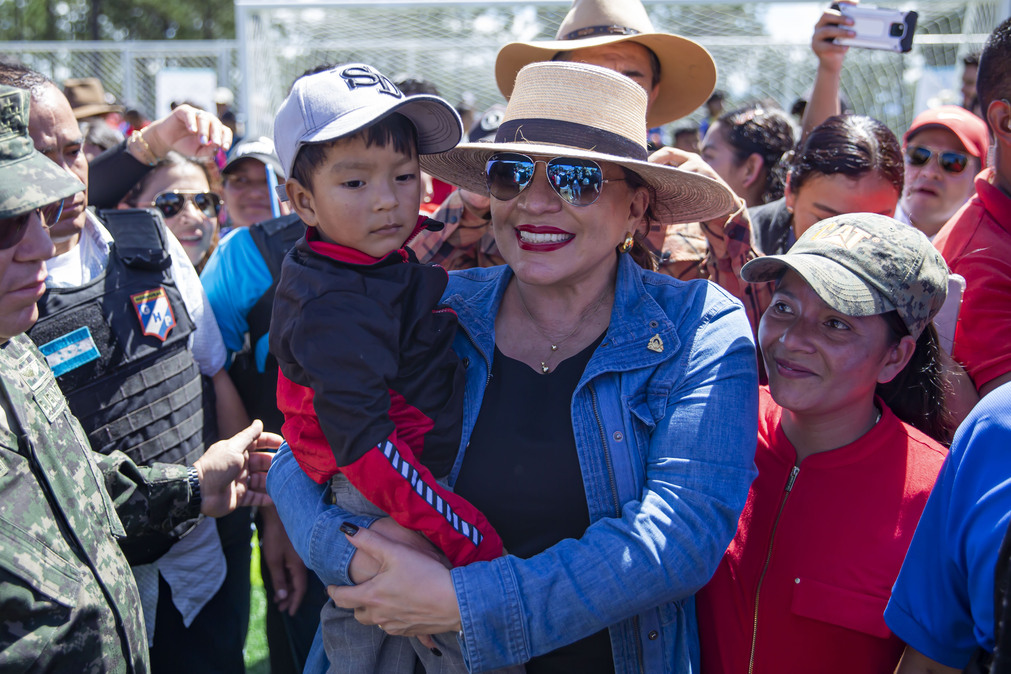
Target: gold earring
point(627, 244)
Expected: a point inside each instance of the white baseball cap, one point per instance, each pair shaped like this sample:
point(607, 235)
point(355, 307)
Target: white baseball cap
point(347, 98)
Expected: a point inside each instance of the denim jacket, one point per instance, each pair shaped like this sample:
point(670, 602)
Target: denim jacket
point(665, 419)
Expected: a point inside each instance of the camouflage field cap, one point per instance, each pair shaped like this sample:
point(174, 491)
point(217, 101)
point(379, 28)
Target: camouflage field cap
point(28, 180)
point(862, 264)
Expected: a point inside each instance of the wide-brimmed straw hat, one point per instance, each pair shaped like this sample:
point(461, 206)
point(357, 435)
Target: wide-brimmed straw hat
point(559, 108)
point(87, 97)
point(687, 71)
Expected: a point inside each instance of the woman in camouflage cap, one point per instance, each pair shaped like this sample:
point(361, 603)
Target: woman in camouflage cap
point(845, 458)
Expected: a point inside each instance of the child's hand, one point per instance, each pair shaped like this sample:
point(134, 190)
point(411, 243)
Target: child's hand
point(363, 567)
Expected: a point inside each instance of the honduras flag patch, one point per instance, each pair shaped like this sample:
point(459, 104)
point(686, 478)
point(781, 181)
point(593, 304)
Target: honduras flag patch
point(154, 313)
point(70, 351)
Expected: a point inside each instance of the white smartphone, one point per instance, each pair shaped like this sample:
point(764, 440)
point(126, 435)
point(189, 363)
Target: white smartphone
point(879, 27)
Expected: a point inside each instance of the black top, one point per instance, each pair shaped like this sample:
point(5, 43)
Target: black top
point(522, 471)
point(111, 176)
point(772, 228)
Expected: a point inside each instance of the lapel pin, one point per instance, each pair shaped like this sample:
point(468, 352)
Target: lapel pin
point(655, 344)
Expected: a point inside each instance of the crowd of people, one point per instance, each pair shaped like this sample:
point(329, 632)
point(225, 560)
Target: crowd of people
point(536, 393)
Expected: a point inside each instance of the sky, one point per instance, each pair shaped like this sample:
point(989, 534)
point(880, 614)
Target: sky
point(783, 19)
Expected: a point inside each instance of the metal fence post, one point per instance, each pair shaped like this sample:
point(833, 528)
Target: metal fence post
point(129, 82)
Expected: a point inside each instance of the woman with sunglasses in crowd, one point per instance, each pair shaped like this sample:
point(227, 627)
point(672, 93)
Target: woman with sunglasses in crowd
point(180, 189)
point(594, 436)
point(845, 453)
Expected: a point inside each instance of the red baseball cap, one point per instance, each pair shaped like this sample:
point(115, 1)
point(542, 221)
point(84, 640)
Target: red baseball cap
point(970, 129)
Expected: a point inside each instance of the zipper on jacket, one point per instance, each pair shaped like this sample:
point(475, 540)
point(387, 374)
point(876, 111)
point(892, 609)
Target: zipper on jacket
point(768, 558)
point(487, 379)
point(607, 452)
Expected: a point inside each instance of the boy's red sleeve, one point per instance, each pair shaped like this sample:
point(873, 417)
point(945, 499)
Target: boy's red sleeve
point(391, 477)
point(302, 431)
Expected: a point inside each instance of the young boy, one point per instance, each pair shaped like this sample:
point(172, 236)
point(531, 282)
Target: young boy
point(369, 386)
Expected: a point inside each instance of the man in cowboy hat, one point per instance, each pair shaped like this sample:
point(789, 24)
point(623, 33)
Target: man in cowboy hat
point(677, 74)
point(88, 99)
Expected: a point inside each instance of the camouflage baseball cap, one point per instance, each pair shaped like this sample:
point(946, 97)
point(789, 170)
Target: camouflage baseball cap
point(28, 180)
point(863, 264)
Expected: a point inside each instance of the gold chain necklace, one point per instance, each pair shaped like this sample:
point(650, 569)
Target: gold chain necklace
point(555, 343)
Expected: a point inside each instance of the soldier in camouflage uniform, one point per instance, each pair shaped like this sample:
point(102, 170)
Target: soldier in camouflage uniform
point(68, 596)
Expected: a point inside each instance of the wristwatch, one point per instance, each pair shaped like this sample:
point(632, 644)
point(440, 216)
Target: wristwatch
point(193, 478)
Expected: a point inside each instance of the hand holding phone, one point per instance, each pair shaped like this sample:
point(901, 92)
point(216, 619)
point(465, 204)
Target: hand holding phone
point(878, 27)
point(831, 26)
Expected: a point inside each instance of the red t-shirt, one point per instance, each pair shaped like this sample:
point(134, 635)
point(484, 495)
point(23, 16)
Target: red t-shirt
point(818, 557)
point(976, 243)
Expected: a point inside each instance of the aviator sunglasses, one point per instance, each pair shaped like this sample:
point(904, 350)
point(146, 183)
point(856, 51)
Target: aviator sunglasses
point(14, 228)
point(950, 161)
point(170, 203)
point(577, 181)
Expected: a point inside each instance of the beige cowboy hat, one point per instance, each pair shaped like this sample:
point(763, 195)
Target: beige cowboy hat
point(687, 71)
point(87, 97)
point(561, 108)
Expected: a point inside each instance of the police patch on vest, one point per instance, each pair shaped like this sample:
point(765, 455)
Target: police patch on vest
point(70, 351)
point(154, 313)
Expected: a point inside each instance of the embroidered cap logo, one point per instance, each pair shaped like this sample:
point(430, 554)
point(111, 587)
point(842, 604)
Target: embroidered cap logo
point(363, 76)
point(847, 236)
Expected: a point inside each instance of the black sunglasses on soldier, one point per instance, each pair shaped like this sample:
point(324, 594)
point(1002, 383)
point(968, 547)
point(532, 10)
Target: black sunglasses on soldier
point(12, 230)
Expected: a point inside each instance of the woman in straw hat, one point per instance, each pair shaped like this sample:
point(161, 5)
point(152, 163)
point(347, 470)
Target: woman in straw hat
point(592, 426)
point(845, 454)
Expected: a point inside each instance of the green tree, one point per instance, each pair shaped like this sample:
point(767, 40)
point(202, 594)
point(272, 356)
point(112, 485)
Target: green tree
point(116, 20)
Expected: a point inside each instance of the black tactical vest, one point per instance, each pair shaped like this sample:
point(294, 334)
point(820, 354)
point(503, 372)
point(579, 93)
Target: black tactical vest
point(258, 390)
point(118, 348)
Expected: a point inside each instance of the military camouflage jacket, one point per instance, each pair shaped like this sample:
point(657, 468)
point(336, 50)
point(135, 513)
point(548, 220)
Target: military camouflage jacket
point(68, 596)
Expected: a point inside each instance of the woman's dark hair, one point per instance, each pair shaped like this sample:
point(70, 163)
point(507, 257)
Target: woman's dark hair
point(852, 145)
point(172, 158)
point(918, 393)
point(769, 133)
point(640, 252)
point(394, 128)
point(993, 81)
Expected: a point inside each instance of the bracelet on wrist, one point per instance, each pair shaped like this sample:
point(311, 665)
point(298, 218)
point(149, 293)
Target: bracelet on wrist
point(138, 147)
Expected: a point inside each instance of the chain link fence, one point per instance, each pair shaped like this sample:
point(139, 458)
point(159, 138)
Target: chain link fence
point(761, 50)
point(128, 70)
